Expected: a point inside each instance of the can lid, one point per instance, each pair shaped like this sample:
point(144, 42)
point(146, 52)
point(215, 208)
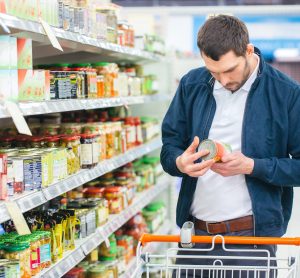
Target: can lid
point(210, 145)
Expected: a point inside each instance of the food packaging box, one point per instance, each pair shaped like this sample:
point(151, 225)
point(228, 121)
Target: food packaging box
point(8, 53)
point(3, 163)
point(3, 186)
point(33, 85)
point(8, 85)
point(24, 53)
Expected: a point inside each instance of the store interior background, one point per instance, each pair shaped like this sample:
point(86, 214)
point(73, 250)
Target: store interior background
point(273, 27)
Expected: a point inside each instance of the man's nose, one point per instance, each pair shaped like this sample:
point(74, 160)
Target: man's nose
point(223, 79)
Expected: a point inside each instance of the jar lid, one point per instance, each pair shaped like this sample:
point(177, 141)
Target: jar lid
point(154, 206)
point(87, 136)
point(70, 138)
point(16, 247)
point(112, 189)
point(94, 190)
point(7, 139)
point(100, 64)
point(210, 145)
point(52, 139)
point(37, 138)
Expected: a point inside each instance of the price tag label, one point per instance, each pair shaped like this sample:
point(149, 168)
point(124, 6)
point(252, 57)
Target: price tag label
point(4, 27)
point(18, 218)
point(50, 34)
point(18, 118)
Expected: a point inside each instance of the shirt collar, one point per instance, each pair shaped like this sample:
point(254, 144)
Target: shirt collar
point(247, 86)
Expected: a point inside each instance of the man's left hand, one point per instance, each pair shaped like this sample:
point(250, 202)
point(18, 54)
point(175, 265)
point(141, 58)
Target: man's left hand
point(234, 164)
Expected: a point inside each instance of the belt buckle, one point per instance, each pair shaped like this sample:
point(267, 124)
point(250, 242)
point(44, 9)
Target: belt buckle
point(207, 229)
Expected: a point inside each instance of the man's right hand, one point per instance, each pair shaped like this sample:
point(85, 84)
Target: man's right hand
point(185, 162)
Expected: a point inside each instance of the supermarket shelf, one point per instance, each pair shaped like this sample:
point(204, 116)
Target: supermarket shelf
point(30, 200)
point(72, 43)
point(55, 106)
point(85, 246)
point(162, 230)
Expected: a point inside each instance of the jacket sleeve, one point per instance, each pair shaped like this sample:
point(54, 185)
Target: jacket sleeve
point(174, 132)
point(284, 171)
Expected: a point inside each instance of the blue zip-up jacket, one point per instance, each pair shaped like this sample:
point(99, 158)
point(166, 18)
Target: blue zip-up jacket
point(270, 135)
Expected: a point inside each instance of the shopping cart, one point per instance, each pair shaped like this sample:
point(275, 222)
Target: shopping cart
point(163, 265)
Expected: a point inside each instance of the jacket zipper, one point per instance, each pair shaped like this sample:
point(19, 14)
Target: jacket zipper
point(243, 148)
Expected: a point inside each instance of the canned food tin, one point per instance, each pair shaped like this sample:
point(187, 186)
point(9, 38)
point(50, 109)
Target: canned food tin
point(216, 149)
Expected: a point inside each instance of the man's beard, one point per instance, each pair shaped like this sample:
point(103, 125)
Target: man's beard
point(246, 75)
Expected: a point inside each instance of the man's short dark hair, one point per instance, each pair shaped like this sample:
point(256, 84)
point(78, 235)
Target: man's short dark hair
point(221, 34)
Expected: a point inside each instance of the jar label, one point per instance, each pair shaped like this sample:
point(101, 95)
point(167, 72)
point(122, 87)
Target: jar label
point(45, 253)
point(35, 258)
point(96, 151)
point(86, 154)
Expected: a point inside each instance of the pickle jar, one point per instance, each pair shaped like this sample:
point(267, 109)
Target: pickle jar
point(34, 241)
point(86, 150)
point(45, 248)
point(19, 251)
point(52, 142)
point(115, 197)
point(70, 143)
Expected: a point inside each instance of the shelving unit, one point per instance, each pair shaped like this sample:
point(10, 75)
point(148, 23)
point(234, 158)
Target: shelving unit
point(31, 200)
point(85, 246)
point(79, 48)
point(165, 228)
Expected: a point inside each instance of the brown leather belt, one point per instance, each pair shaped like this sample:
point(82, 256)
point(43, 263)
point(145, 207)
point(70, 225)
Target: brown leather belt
point(234, 225)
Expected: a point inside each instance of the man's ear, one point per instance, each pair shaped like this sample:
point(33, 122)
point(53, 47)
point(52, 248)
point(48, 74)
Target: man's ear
point(250, 49)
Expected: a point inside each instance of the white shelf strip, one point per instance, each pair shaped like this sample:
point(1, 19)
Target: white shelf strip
point(64, 105)
point(18, 24)
point(85, 246)
point(30, 200)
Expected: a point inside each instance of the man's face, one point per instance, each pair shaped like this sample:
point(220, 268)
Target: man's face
point(231, 71)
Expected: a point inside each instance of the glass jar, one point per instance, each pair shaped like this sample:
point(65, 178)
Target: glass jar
point(138, 131)
point(115, 197)
point(123, 26)
point(100, 86)
point(86, 147)
point(103, 212)
point(92, 82)
point(130, 188)
point(91, 213)
point(110, 140)
point(52, 142)
point(97, 271)
point(94, 192)
point(112, 24)
point(50, 129)
point(71, 144)
point(34, 241)
point(45, 248)
point(71, 129)
point(21, 252)
point(130, 132)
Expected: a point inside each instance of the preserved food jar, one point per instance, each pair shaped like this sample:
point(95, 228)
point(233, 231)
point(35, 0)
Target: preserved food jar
point(71, 129)
point(86, 150)
point(94, 192)
point(49, 129)
point(110, 140)
point(130, 132)
point(52, 142)
point(100, 86)
point(73, 163)
point(34, 241)
point(115, 197)
point(21, 252)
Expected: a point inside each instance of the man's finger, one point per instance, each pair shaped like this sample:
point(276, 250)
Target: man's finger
point(198, 155)
point(199, 166)
point(194, 145)
point(228, 157)
point(199, 173)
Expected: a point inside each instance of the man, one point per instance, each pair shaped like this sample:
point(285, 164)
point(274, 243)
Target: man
point(239, 99)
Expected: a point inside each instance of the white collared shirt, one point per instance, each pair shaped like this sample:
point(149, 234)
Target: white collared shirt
point(219, 198)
